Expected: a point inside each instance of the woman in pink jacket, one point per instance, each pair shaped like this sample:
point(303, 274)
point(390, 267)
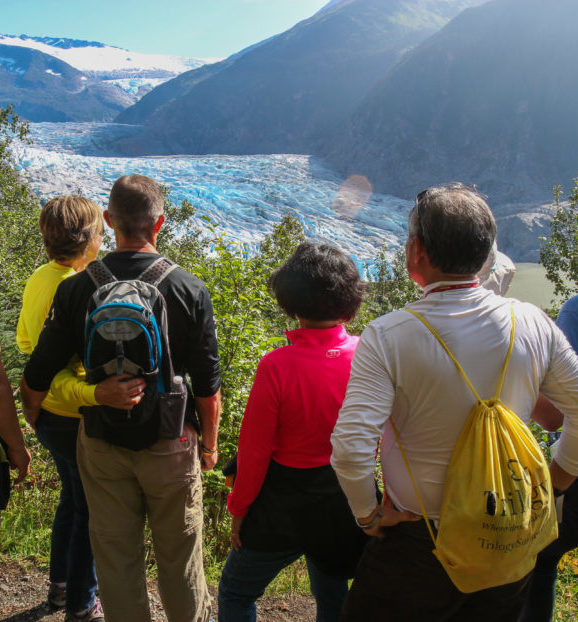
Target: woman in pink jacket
point(286, 500)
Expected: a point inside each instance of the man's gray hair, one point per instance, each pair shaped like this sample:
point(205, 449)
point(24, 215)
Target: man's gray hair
point(136, 203)
point(456, 227)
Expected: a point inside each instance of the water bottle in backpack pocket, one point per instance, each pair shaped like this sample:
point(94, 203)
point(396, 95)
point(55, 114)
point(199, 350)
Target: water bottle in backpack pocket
point(126, 332)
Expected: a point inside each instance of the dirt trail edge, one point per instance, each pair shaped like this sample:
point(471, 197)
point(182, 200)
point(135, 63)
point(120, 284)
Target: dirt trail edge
point(23, 599)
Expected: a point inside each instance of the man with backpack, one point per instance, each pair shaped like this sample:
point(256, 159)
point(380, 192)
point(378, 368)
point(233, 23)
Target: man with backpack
point(438, 384)
point(136, 315)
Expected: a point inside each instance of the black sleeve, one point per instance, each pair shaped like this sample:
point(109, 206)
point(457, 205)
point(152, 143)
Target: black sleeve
point(202, 358)
point(55, 346)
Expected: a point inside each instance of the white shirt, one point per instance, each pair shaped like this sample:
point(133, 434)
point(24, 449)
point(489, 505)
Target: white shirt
point(401, 370)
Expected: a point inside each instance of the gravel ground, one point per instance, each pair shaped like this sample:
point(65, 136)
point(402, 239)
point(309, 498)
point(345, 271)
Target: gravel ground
point(23, 599)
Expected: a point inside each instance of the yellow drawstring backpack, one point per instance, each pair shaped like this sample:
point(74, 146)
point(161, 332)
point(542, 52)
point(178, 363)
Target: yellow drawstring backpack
point(498, 507)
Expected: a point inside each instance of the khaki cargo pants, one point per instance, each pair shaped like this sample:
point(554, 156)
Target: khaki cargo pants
point(123, 487)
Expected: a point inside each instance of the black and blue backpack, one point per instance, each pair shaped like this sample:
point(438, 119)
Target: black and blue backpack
point(126, 332)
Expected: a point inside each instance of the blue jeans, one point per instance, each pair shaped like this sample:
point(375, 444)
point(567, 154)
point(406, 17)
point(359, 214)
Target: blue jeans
point(246, 575)
point(539, 605)
point(71, 559)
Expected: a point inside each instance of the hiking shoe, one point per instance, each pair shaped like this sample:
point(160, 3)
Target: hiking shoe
point(94, 614)
point(57, 596)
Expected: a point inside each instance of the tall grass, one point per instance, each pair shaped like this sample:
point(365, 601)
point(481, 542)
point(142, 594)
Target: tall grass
point(26, 525)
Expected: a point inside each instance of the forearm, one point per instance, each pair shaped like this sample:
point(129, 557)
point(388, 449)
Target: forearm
point(10, 430)
point(361, 423)
point(31, 401)
point(253, 460)
point(560, 387)
point(547, 415)
point(355, 440)
point(561, 479)
point(209, 411)
point(358, 484)
point(73, 391)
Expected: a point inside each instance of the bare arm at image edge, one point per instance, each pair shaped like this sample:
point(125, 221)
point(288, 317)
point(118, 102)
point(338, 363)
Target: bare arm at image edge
point(10, 429)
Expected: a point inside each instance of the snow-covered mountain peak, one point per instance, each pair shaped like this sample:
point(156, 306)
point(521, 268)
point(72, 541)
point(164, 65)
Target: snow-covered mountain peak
point(106, 61)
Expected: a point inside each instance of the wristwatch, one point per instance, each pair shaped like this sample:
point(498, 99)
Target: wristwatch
point(374, 521)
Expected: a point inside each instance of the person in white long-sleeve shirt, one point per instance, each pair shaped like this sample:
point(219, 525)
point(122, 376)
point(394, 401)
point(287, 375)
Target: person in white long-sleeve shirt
point(401, 371)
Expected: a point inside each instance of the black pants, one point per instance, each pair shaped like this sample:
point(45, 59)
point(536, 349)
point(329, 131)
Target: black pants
point(400, 580)
point(541, 597)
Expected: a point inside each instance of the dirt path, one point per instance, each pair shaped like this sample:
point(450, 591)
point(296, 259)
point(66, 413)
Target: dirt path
point(23, 599)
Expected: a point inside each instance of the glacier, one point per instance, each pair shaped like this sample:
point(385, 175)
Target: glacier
point(136, 86)
point(243, 196)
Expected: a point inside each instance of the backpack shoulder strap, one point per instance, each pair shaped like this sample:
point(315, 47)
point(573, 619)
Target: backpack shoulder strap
point(508, 356)
point(415, 488)
point(99, 273)
point(458, 366)
point(157, 271)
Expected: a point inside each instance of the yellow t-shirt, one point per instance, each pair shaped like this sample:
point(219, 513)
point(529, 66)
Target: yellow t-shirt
point(67, 392)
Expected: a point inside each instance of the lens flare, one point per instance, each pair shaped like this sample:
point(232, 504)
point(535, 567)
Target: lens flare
point(353, 194)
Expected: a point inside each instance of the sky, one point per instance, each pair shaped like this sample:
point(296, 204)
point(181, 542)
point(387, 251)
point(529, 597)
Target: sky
point(192, 28)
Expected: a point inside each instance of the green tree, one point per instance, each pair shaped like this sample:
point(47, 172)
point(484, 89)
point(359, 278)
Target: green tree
point(181, 238)
point(280, 244)
point(21, 249)
point(392, 289)
point(559, 252)
point(25, 526)
point(274, 250)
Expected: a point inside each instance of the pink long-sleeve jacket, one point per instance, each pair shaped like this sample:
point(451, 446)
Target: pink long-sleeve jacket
point(292, 409)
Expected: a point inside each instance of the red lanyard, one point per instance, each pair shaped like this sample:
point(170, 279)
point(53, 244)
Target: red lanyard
point(447, 288)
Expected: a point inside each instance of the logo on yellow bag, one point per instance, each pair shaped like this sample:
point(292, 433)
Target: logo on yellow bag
point(535, 497)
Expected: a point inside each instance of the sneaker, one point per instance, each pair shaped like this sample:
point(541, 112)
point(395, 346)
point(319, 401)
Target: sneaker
point(57, 596)
point(94, 614)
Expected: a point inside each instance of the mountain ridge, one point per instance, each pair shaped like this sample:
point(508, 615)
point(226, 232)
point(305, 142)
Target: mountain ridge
point(63, 42)
point(499, 115)
point(285, 94)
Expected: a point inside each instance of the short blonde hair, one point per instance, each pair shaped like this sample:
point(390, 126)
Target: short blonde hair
point(68, 223)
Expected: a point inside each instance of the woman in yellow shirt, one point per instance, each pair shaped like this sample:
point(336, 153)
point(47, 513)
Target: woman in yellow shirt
point(72, 229)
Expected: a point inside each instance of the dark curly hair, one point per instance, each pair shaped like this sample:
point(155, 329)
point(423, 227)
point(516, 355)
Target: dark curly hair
point(318, 282)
